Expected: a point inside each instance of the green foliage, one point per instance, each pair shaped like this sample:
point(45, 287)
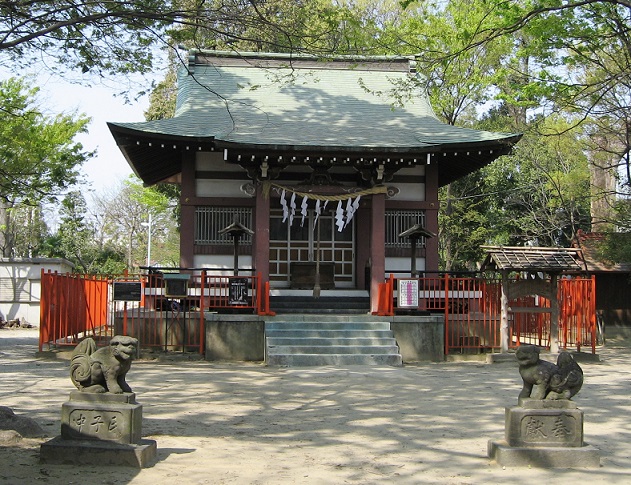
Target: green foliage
point(38, 154)
point(541, 193)
point(614, 248)
point(124, 216)
point(115, 237)
point(463, 223)
point(76, 240)
point(38, 160)
point(103, 37)
point(25, 231)
point(164, 96)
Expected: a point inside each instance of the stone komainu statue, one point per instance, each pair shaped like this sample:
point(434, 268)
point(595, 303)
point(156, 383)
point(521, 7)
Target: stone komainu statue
point(103, 370)
point(545, 380)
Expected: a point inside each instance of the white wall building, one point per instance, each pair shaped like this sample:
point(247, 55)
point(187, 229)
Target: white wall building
point(20, 286)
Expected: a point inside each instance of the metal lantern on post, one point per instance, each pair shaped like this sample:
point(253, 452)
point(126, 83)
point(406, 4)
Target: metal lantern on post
point(236, 230)
point(414, 233)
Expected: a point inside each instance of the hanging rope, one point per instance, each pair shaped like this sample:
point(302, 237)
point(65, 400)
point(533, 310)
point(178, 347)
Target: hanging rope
point(267, 186)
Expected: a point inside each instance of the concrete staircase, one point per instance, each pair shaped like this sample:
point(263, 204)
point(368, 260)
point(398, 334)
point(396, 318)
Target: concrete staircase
point(315, 340)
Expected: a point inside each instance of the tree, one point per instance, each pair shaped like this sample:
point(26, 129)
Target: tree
point(26, 230)
point(122, 217)
point(107, 38)
point(38, 155)
point(98, 36)
point(463, 224)
point(457, 86)
point(540, 195)
point(573, 57)
point(76, 241)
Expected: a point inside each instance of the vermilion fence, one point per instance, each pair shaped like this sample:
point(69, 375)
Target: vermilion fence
point(77, 306)
point(472, 309)
point(161, 314)
point(71, 307)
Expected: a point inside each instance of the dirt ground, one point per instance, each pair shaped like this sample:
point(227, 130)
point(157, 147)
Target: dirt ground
point(250, 424)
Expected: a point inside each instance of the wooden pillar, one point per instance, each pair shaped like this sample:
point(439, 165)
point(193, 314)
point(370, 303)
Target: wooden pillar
point(362, 247)
point(377, 247)
point(187, 230)
point(554, 314)
point(260, 246)
point(431, 216)
point(504, 334)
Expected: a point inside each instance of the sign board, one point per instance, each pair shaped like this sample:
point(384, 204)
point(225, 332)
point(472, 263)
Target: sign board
point(407, 296)
point(127, 291)
point(238, 291)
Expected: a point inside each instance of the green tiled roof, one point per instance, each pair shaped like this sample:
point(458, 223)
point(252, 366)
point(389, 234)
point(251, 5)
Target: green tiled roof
point(357, 107)
point(299, 103)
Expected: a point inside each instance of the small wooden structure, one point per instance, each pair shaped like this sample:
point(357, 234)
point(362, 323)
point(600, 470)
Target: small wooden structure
point(414, 233)
point(236, 230)
point(542, 267)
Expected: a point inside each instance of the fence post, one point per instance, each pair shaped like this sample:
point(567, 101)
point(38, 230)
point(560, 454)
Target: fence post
point(44, 302)
point(390, 296)
point(259, 296)
point(447, 333)
point(202, 319)
point(592, 312)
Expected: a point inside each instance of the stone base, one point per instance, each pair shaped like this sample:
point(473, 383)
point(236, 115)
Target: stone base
point(60, 451)
point(585, 456)
point(544, 423)
point(102, 417)
point(545, 434)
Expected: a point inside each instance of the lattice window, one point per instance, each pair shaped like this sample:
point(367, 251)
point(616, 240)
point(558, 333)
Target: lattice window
point(210, 220)
point(398, 221)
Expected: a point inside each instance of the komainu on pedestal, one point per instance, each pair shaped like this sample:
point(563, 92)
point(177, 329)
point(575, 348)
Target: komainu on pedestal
point(101, 423)
point(546, 428)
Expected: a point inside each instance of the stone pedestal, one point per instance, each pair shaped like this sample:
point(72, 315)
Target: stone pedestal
point(103, 429)
point(544, 434)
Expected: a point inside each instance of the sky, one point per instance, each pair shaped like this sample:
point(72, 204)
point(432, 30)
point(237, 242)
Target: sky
point(100, 103)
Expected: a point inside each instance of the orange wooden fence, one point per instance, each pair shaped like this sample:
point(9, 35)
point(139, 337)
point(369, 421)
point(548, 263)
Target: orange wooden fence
point(77, 306)
point(72, 307)
point(472, 309)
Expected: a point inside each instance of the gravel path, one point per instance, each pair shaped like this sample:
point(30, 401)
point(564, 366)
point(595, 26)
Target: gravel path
point(249, 424)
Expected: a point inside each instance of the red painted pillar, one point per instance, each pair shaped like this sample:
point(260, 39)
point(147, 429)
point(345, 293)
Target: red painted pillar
point(261, 234)
point(362, 250)
point(431, 217)
point(377, 247)
point(187, 231)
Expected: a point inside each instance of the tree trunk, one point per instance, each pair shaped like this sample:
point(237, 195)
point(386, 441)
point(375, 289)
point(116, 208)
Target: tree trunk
point(6, 235)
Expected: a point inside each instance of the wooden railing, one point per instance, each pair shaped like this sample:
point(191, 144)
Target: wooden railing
point(74, 307)
point(472, 310)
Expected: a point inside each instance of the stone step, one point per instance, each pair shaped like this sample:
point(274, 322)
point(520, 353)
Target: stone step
point(298, 360)
point(331, 325)
point(323, 333)
point(304, 340)
point(333, 349)
point(313, 319)
point(344, 341)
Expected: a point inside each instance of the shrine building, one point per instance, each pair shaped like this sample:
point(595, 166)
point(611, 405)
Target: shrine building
point(327, 161)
